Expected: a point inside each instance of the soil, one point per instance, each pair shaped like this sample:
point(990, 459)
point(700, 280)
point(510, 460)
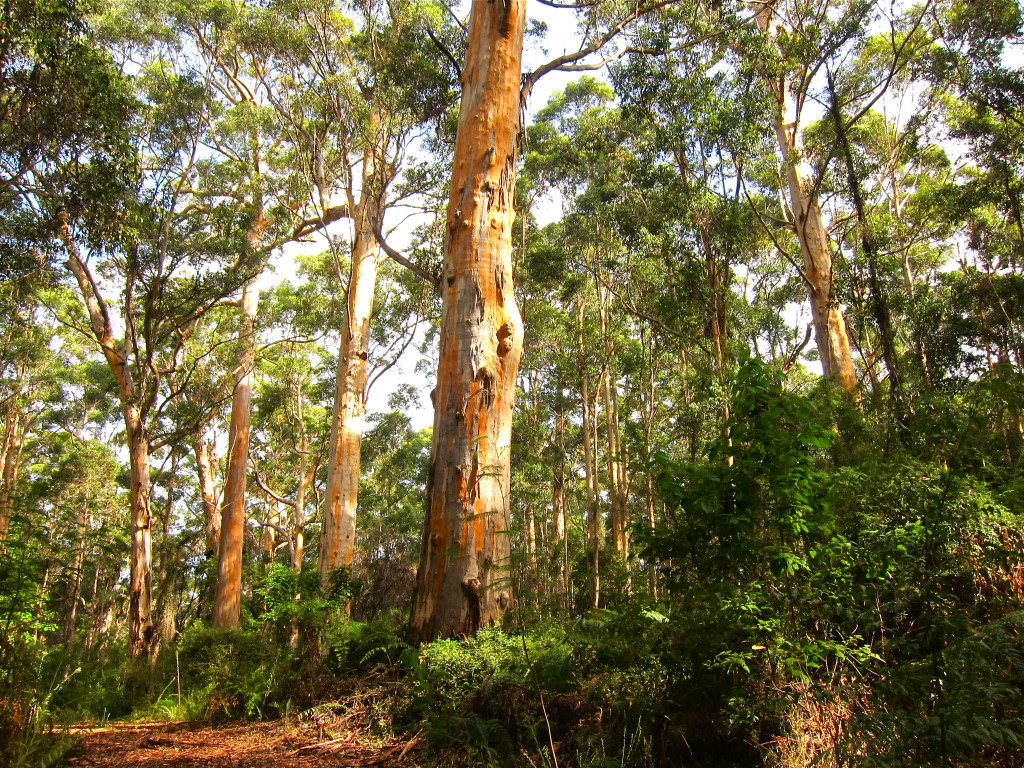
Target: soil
point(276, 744)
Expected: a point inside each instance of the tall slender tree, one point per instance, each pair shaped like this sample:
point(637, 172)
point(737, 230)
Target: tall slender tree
point(789, 84)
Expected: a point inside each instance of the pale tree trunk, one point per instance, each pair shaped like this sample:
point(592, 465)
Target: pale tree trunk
point(206, 466)
point(305, 478)
point(95, 608)
point(620, 495)
point(829, 326)
point(140, 600)
point(462, 582)
point(590, 464)
point(593, 507)
point(906, 269)
point(652, 571)
point(140, 595)
point(299, 509)
point(558, 514)
point(43, 588)
point(341, 495)
point(558, 533)
point(649, 497)
point(530, 581)
point(295, 535)
point(618, 480)
point(718, 321)
point(228, 595)
point(616, 467)
point(1012, 426)
point(879, 302)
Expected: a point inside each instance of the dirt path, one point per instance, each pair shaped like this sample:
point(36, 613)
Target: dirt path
point(234, 745)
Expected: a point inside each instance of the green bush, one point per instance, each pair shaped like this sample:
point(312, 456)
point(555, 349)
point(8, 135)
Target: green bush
point(866, 611)
point(233, 672)
point(356, 647)
point(600, 686)
point(296, 605)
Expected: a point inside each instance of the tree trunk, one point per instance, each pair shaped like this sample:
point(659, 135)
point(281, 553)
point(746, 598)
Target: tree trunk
point(650, 413)
point(558, 513)
point(590, 462)
point(338, 538)
point(299, 512)
point(164, 608)
point(460, 584)
point(718, 316)
point(593, 508)
point(879, 302)
point(530, 583)
point(206, 466)
point(616, 467)
point(228, 595)
point(829, 326)
point(268, 537)
point(140, 595)
point(14, 438)
point(140, 599)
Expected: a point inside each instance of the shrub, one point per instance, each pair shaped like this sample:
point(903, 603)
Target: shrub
point(232, 672)
point(357, 647)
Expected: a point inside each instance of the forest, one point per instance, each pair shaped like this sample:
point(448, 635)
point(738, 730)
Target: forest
point(562, 384)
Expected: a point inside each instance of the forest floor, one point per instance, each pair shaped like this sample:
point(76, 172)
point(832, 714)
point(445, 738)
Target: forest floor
point(276, 744)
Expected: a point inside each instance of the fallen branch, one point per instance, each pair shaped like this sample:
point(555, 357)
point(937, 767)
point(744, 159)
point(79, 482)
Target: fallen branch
point(334, 745)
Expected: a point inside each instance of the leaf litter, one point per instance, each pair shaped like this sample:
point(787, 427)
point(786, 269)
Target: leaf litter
point(275, 744)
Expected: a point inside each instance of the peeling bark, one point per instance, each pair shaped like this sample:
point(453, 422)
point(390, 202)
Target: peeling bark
point(227, 598)
point(341, 496)
point(460, 584)
point(206, 466)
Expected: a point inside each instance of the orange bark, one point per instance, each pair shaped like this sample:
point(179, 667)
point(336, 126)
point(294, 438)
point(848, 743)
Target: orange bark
point(341, 496)
point(460, 584)
point(227, 599)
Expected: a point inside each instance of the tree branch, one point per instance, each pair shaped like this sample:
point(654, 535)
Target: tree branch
point(444, 51)
point(434, 280)
point(329, 216)
point(271, 492)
